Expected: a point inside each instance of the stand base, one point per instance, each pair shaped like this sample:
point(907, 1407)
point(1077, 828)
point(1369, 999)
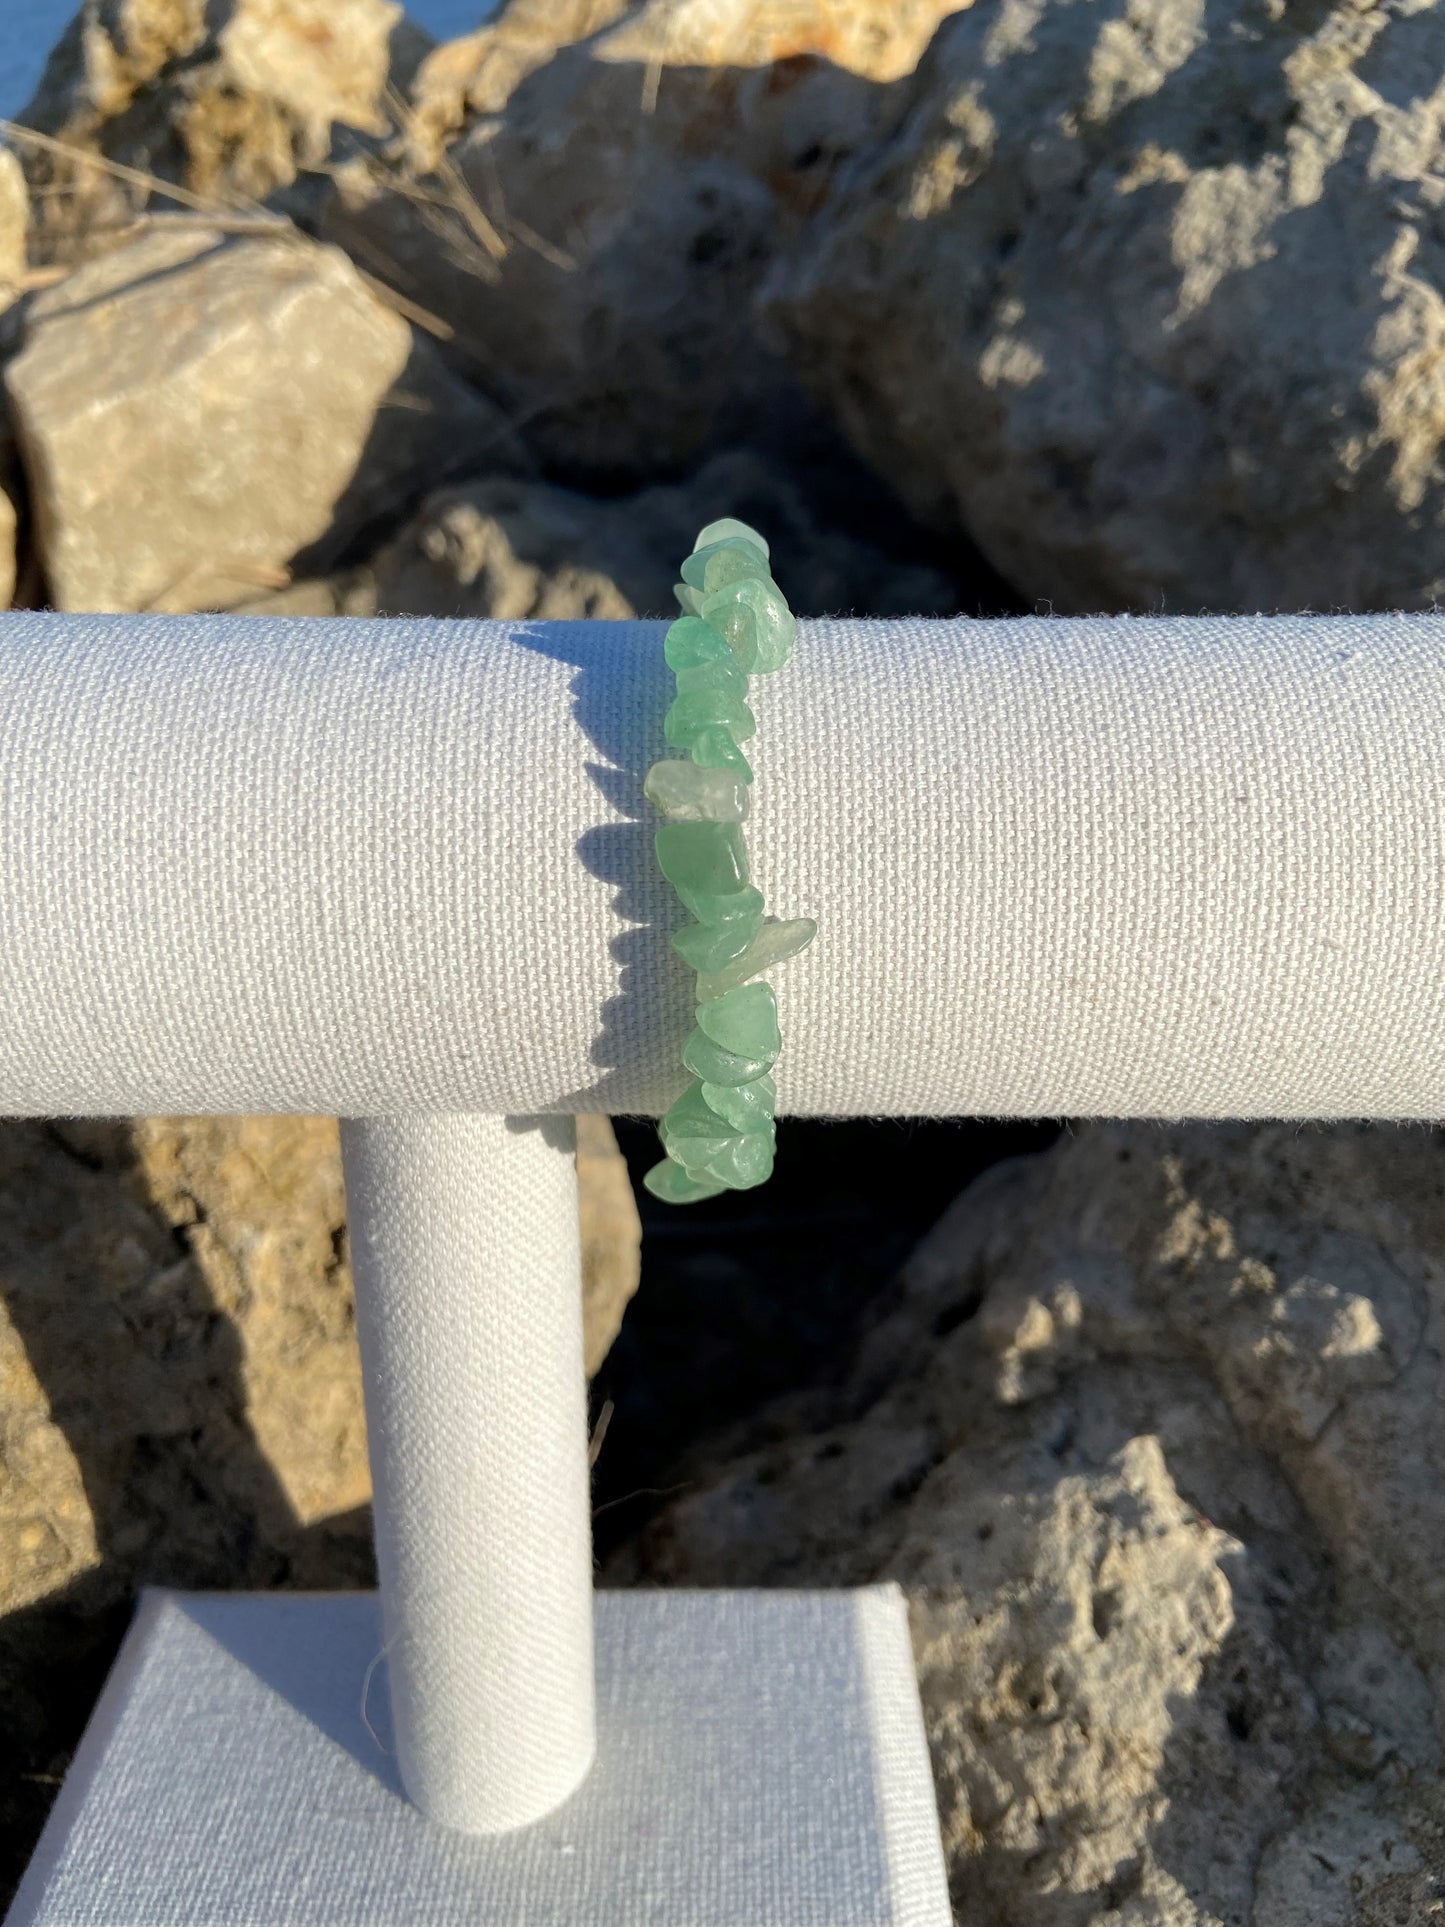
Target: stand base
point(761, 1763)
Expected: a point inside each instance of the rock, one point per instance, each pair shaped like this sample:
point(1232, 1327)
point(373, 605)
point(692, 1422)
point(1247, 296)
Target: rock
point(180, 1399)
point(1150, 302)
point(595, 233)
point(11, 500)
point(195, 410)
point(310, 596)
point(14, 226)
point(196, 1270)
point(231, 101)
point(611, 1237)
point(513, 548)
point(502, 548)
point(478, 73)
point(1148, 1433)
point(8, 535)
point(180, 1390)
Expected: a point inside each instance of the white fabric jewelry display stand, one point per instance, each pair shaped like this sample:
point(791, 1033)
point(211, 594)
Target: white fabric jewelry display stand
point(401, 872)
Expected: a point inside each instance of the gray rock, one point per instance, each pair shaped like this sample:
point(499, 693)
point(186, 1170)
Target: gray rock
point(509, 547)
point(597, 228)
point(1151, 301)
point(195, 410)
point(1149, 1434)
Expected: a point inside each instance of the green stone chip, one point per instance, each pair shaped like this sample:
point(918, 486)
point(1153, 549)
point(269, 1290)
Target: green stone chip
point(692, 1131)
point(714, 1065)
point(709, 859)
point(756, 621)
point(744, 1021)
point(740, 1163)
point(726, 529)
point(707, 709)
point(721, 1133)
point(723, 672)
point(711, 907)
point(732, 560)
point(719, 943)
point(746, 1107)
point(691, 641)
point(667, 1180)
point(713, 747)
point(688, 793)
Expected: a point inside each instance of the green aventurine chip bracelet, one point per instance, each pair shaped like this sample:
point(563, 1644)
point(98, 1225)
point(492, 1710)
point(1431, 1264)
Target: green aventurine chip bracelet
point(720, 1134)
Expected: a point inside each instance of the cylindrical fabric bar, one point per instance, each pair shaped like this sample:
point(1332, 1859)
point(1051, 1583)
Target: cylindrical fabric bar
point(1135, 868)
point(464, 1249)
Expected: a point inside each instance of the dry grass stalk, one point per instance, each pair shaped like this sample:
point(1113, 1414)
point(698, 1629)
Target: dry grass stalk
point(458, 199)
point(227, 214)
point(134, 176)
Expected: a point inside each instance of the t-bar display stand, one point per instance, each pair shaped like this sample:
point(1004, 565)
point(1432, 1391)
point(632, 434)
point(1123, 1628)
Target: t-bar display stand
point(402, 872)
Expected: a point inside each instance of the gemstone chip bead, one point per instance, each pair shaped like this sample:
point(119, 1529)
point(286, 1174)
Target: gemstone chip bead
point(709, 859)
point(685, 792)
point(721, 1133)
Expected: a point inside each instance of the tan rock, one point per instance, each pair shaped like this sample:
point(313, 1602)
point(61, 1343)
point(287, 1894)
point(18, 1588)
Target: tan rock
point(180, 1389)
point(350, 592)
point(607, 213)
point(478, 73)
point(1149, 1434)
point(514, 548)
point(11, 497)
point(179, 1386)
point(611, 1237)
point(8, 531)
point(1150, 303)
point(14, 226)
point(231, 101)
point(186, 1282)
point(195, 409)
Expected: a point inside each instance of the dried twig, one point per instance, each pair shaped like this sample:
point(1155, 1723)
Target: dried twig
point(599, 1431)
point(411, 310)
point(459, 196)
point(135, 176)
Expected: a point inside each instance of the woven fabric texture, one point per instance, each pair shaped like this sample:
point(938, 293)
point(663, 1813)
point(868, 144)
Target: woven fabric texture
point(465, 1253)
point(1152, 868)
point(761, 1763)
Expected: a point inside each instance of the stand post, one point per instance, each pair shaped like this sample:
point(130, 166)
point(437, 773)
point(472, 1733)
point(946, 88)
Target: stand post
point(465, 1255)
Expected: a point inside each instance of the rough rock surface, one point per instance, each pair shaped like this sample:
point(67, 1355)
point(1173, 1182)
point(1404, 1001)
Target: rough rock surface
point(196, 408)
point(14, 225)
point(11, 501)
point(513, 548)
point(595, 233)
point(477, 73)
point(8, 526)
point(180, 1391)
point(1152, 300)
point(230, 100)
point(1150, 1435)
